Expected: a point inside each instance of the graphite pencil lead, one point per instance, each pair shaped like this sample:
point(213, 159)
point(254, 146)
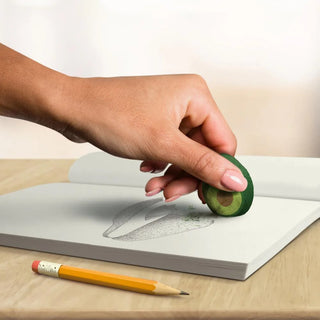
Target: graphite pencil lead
point(184, 293)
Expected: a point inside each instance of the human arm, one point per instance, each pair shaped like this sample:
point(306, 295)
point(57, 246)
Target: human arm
point(157, 119)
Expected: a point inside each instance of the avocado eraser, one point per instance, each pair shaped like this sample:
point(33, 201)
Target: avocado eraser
point(229, 204)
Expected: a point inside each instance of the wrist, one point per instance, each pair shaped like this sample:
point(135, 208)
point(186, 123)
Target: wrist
point(54, 97)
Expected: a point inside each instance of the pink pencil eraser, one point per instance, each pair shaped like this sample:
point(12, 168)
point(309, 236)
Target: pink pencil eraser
point(35, 265)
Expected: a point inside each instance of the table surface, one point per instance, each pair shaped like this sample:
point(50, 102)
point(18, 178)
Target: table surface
point(287, 287)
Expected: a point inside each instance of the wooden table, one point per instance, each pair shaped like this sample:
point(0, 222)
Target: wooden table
point(287, 287)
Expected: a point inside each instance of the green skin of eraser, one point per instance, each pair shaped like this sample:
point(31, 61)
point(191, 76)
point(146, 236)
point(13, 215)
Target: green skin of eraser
point(229, 204)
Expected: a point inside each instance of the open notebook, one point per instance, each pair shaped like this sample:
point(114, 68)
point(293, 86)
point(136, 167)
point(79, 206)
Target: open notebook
point(103, 214)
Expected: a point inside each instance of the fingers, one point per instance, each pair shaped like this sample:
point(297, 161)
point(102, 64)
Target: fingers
point(205, 164)
point(157, 184)
point(153, 166)
point(214, 131)
point(202, 112)
point(218, 135)
point(203, 134)
point(174, 183)
point(179, 187)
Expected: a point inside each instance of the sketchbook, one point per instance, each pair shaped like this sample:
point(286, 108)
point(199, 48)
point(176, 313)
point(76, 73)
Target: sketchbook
point(102, 213)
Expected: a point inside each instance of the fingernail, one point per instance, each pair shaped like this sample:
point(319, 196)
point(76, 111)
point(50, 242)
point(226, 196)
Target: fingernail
point(146, 169)
point(153, 192)
point(234, 180)
point(173, 198)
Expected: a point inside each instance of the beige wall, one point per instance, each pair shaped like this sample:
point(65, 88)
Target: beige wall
point(282, 121)
point(259, 57)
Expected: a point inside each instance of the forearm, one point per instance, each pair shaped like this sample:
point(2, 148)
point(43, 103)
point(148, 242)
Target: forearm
point(161, 119)
point(28, 90)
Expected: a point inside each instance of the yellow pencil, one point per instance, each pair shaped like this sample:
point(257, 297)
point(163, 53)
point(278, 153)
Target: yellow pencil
point(104, 279)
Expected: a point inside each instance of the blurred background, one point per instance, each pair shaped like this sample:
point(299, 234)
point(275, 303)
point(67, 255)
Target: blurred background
point(260, 58)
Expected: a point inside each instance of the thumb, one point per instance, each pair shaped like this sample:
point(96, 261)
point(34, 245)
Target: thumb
point(206, 165)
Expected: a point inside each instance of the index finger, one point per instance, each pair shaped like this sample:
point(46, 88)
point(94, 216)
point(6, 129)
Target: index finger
point(203, 112)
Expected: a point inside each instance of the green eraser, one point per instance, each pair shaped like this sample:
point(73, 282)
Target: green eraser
point(229, 204)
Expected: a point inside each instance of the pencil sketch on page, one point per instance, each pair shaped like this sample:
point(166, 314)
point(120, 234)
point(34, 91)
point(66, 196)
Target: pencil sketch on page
point(152, 219)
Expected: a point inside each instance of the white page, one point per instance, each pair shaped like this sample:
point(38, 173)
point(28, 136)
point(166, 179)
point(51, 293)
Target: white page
point(295, 178)
point(103, 168)
point(287, 177)
point(81, 213)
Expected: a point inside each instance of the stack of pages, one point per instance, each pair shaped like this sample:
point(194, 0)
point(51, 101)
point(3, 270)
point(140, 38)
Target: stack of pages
point(102, 213)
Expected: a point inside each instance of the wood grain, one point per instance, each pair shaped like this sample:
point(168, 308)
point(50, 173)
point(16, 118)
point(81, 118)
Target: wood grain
point(287, 287)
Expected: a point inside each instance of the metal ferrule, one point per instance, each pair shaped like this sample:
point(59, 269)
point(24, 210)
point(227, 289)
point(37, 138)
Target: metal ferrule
point(49, 268)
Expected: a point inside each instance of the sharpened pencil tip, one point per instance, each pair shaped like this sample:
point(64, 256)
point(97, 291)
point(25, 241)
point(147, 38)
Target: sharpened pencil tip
point(184, 293)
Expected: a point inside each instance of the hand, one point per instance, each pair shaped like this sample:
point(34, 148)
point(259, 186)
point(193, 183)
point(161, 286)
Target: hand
point(158, 119)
